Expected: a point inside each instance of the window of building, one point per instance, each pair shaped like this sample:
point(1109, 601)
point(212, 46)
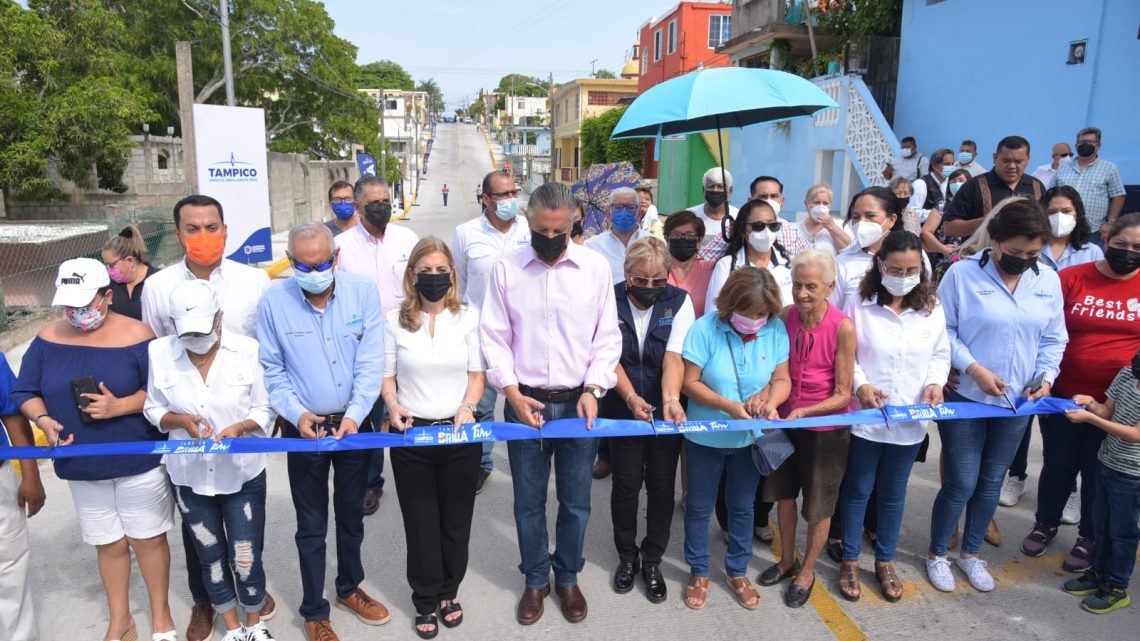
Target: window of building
point(163, 159)
point(521, 104)
point(672, 39)
point(390, 105)
point(644, 62)
point(656, 45)
point(719, 29)
point(607, 98)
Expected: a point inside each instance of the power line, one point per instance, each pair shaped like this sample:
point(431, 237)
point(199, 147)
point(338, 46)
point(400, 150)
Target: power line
point(544, 13)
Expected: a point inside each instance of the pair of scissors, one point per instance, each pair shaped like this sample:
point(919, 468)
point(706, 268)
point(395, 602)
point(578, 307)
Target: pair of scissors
point(1009, 399)
point(886, 418)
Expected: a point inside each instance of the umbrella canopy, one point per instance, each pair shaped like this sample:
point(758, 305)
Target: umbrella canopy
point(595, 187)
point(720, 98)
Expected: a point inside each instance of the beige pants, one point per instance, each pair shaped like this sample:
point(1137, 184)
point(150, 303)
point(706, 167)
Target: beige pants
point(17, 619)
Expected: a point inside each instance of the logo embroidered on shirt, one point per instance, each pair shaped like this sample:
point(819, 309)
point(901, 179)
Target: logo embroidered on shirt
point(984, 292)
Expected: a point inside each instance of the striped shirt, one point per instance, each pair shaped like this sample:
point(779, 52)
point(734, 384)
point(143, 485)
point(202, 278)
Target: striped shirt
point(1115, 452)
point(792, 239)
point(1097, 184)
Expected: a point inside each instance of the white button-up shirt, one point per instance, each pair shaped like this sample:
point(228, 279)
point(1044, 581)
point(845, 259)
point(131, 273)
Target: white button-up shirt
point(613, 249)
point(234, 391)
point(381, 260)
point(901, 354)
point(476, 247)
point(851, 265)
point(238, 287)
point(724, 267)
point(1045, 174)
point(431, 370)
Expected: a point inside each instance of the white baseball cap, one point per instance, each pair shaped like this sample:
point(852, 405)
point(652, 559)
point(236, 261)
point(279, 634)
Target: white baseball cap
point(193, 306)
point(78, 280)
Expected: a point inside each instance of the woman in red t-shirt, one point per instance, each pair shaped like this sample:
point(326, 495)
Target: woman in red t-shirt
point(1102, 314)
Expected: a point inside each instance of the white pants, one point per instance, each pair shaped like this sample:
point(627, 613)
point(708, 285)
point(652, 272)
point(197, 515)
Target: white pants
point(17, 619)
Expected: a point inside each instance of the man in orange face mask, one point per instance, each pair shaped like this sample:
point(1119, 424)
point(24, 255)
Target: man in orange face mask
point(201, 231)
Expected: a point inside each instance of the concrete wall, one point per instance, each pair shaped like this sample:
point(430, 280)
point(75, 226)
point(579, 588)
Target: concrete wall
point(1013, 77)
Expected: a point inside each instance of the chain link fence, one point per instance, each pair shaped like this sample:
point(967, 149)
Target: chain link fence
point(31, 251)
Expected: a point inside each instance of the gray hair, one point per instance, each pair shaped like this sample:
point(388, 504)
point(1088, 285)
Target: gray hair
point(309, 230)
point(898, 180)
point(552, 196)
point(1089, 130)
point(823, 261)
point(713, 177)
point(815, 189)
point(623, 191)
point(365, 181)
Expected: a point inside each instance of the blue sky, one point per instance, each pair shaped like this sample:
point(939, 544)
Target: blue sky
point(468, 44)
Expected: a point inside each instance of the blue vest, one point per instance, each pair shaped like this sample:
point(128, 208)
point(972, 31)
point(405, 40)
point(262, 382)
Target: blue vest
point(644, 369)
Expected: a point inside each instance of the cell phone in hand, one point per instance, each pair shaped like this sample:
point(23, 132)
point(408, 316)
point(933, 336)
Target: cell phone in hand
point(1037, 382)
point(79, 387)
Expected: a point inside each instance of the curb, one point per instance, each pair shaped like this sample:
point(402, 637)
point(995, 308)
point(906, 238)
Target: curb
point(490, 151)
point(275, 268)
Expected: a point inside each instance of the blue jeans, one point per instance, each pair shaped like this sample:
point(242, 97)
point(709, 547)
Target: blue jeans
point(883, 468)
point(1115, 512)
point(485, 413)
point(226, 531)
point(530, 472)
point(1069, 448)
point(376, 462)
point(703, 471)
point(976, 453)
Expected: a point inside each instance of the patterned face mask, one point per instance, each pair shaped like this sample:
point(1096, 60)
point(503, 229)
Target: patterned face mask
point(87, 318)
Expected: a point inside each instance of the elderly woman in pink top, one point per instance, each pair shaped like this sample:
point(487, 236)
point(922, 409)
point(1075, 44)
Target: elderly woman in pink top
point(822, 364)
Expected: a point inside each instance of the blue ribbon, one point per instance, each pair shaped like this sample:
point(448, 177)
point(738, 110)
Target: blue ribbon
point(561, 428)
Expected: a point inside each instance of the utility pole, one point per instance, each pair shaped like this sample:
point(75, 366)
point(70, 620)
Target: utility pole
point(383, 145)
point(227, 64)
point(185, 71)
point(592, 67)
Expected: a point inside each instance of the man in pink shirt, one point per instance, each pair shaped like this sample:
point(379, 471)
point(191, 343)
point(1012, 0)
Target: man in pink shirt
point(557, 363)
point(380, 252)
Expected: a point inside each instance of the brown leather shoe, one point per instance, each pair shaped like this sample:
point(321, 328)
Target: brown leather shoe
point(320, 631)
point(530, 607)
point(269, 609)
point(201, 625)
point(993, 534)
point(368, 610)
point(573, 603)
point(602, 469)
point(372, 500)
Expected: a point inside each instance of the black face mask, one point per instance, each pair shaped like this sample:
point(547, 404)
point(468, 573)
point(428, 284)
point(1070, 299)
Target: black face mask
point(378, 214)
point(715, 198)
point(1015, 266)
point(1122, 261)
point(682, 249)
point(433, 286)
point(1086, 149)
point(548, 249)
point(577, 229)
point(646, 296)
point(1136, 367)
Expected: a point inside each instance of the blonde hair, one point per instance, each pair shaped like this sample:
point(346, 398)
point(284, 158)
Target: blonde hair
point(128, 242)
point(411, 311)
point(815, 189)
point(648, 250)
point(820, 259)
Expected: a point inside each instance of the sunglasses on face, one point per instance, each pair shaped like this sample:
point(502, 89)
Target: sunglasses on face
point(774, 226)
point(641, 281)
point(306, 268)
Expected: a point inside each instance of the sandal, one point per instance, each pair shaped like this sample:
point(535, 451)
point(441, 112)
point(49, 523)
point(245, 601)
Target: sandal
point(130, 634)
point(447, 608)
point(889, 582)
point(426, 619)
point(745, 593)
point(849, 581)
point(697, 592)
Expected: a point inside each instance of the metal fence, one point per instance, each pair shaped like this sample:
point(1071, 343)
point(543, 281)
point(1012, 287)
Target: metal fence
point(31, 251)
point(876, 59)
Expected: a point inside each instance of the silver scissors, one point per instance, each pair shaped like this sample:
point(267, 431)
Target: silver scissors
point(1009, 399)
point(886, 418)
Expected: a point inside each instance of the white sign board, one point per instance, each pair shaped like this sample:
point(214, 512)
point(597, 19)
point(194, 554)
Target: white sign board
point(233, 167)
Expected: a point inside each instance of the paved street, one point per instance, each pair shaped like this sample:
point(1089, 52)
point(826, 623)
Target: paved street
point(1027, 604)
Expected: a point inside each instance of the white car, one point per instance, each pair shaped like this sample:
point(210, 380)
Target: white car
point(467, 120)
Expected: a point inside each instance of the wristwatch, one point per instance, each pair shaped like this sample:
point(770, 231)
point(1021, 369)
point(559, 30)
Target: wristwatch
point(596, 391)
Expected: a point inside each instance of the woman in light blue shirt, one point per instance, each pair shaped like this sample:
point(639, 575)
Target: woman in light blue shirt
point(731, 354)
point(1007, 336)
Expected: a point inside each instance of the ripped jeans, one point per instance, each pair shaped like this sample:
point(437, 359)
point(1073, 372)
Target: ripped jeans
point(227, 531)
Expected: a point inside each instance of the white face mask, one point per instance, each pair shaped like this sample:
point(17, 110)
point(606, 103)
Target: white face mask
point(1062, 224)
point(199, 344)
point(901, 286)
point(868, 233)
point(775, 205)
point(820, 212)
point(761, 241)
point(907, 152)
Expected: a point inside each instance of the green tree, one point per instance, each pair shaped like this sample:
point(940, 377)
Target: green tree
point(604, 74)
point(853, 18)
point(64, 96)
point(516, 84)
point(476, 109)
point(383, 74)
point(435, 95)
point(597, 147)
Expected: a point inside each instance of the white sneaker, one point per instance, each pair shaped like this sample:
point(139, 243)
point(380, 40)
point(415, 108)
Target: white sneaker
point(940, 575)
point(1011, 491)
point(976, 571)
point(237, 634)
point(1072, 512)
point(257, 633)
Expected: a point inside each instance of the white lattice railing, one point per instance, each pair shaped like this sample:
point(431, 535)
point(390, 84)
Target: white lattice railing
point(834, 89)
point(866, 138)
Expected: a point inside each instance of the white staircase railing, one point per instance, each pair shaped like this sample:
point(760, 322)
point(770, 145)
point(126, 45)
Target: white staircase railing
point(868, 137)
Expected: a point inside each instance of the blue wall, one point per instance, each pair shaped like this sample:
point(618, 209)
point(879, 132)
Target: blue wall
point(985, 69)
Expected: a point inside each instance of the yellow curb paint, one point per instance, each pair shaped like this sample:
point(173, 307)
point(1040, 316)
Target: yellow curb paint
point(490, 152)
point(827, 608)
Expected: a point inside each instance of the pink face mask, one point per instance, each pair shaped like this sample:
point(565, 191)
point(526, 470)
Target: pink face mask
point(746, 325)
point(87, 318)
point(118, 276)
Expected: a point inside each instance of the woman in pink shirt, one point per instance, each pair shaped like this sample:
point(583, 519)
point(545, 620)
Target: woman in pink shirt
point(683, 233)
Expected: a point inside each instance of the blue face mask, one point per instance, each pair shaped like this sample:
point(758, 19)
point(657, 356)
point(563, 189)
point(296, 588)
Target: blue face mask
point(946, 171)
point(343, 211)
point(315, 282)
point(507, 209)
point(954, 188)
point(624, 220)
point(965, 157)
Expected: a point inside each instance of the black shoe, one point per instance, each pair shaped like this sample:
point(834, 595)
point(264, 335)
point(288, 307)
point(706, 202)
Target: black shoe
point(372, 500)
point(654, 583)
point(426, 619)
point(835, 551)
point(796, 596)
point(773, 575)
point(623, 577)
point(481, 484)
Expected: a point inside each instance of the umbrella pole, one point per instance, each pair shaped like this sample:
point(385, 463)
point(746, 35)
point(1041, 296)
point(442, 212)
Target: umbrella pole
point(723, 181)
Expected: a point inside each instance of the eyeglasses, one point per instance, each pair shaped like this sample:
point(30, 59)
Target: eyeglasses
point(632, 209)
point(775, 226)
point(641, 281)
point(1064, 155)
point(112, 264)
point(306, 268)
point(499, 195)
point(341, 201)
point(895, 272)
point(684, 237)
